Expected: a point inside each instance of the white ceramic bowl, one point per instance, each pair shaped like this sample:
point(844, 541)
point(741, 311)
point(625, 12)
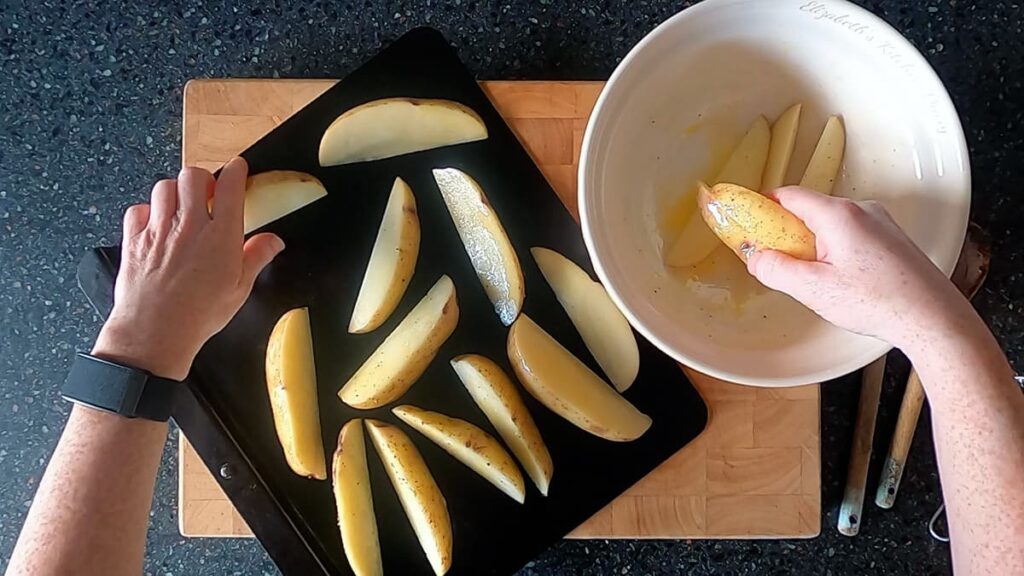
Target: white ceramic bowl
point(686, 93)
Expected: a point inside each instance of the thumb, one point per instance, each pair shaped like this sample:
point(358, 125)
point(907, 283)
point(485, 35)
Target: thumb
point(782, 272)
point(257, 252)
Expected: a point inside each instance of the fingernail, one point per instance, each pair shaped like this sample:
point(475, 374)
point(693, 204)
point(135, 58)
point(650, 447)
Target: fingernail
point(278, 244)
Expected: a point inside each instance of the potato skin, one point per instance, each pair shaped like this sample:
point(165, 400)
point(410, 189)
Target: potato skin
point(747, 222)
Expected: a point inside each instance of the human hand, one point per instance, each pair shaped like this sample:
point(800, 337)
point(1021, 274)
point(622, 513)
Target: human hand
point(870, 278)
point(185, 271)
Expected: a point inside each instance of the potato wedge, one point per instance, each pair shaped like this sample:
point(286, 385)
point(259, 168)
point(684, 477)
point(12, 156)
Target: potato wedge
point(272, 195)
point(783, 140)
point(354, 499)
point(469, 445)
point(823, 167)
point(602, 326)
point(392, 261)
point(403, 356)
point(394, 126)
point(486, 243)
point(497, 397)
point(291, 384)
point(747, 221)
point(744, 167)
point(568, 388)
point(421, 499)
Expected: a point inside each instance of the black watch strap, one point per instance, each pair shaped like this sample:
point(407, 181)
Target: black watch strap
point(123, 390)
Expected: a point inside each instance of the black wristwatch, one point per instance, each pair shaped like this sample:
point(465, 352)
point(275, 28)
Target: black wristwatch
point(123, 390)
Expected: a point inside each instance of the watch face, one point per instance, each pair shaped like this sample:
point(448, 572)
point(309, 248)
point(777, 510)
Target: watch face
point(118, 389)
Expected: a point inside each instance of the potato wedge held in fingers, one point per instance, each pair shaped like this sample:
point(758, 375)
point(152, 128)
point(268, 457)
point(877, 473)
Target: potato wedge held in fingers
point(783, 140)
point(392, 261)
point(421, 499)
point(394, 126)
point(744, 167)
point(272, 195)
point(486, 243)
point(747, 221)
point(602, 326)
point(354, 499)
point(291, 383)
point(403, 356)
point(823, 167)
point(499, 400)
point(567, 387)
point(469, 445)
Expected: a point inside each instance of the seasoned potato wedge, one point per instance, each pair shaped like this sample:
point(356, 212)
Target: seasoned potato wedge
point(272, 195)
point(421, 499)
point(602, 326)
point(823, 167)
point(747, 221)
point(394, 126)
point(291, 383)
point(783, 140)
point(486, 243)
point(403, 356)
point(497, 397)
point(354, 499)
point(469, 445)
point(567, 387)
point(744, 167)
point(392, 261)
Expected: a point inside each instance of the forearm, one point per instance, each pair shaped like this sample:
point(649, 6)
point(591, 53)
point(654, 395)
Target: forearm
point(978, 424)
point(90, 513)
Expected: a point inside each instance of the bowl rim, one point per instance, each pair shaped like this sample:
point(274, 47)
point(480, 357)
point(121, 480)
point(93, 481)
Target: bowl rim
point(588, 223)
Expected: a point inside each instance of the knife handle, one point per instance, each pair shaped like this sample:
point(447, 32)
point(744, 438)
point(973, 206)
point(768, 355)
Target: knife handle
point(860, 452)
point(906, 424)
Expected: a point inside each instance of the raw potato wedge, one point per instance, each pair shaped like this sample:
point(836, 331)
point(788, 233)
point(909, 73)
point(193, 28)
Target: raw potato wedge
point(566, 386)
point(354, 499)
point(469, 445)
point(823, 167)
point(602, 326)
point(403, 356)
point(395, 126)
point(747, 221)
point(499, 400)
point(291, 384)
point(392, 261)
point(744, 167)
point(272, 195)
point(486, 243)
point(783, 140)
point(421, 499)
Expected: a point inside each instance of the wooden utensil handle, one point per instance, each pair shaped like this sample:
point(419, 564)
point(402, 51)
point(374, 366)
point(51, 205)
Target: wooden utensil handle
point(860, 453)
point(896, 460)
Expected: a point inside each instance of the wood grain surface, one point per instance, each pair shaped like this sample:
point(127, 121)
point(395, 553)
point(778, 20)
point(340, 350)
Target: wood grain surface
point(754, 473)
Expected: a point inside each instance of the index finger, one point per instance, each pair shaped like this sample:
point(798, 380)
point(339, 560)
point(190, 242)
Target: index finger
point(817, 210)
point(229, 194)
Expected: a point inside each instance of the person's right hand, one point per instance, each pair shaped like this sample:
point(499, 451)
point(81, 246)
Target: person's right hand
point(870, 278)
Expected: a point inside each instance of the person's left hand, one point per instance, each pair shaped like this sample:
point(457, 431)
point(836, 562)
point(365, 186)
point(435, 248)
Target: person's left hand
point(185, 271)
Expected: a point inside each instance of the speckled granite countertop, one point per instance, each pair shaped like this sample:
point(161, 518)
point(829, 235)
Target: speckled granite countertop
point(90, 108)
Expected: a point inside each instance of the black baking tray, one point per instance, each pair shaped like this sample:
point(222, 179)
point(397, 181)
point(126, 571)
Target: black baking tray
point(224, 409)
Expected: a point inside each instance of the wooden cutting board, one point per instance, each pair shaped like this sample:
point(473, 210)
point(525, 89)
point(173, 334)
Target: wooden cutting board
point(754, 473)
